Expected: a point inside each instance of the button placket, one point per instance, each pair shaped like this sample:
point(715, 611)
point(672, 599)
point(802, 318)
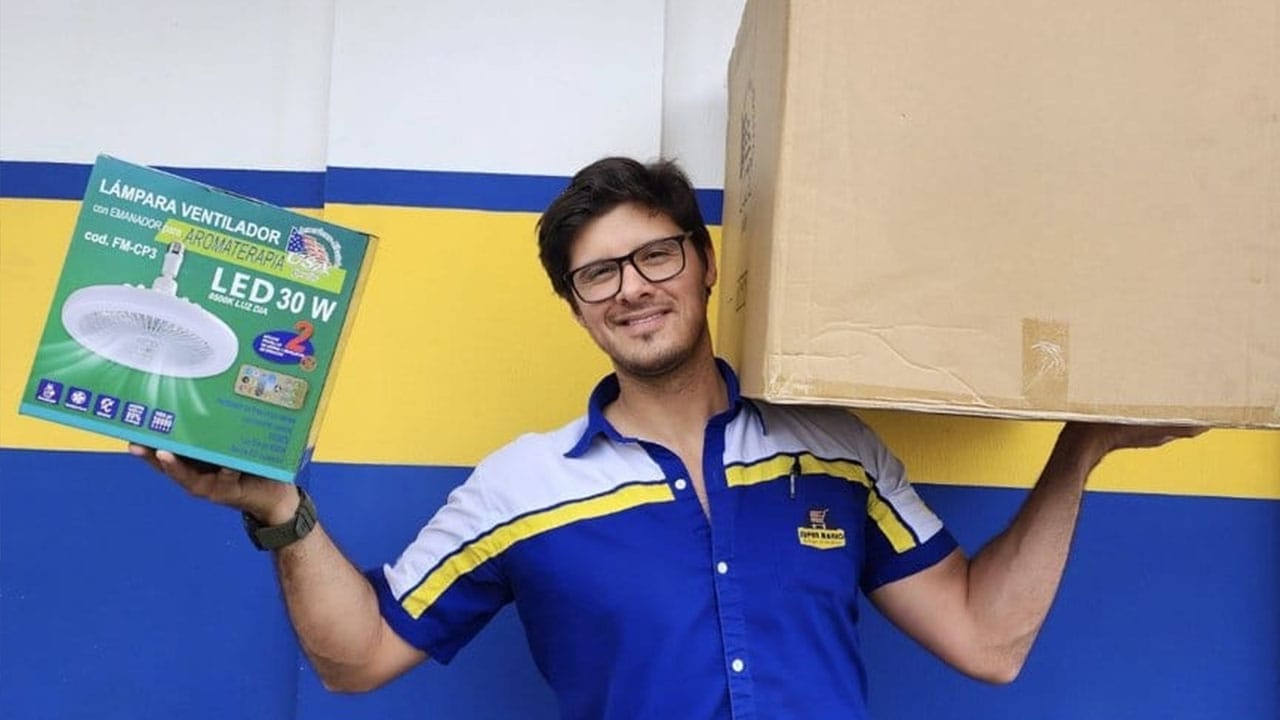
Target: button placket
point(730, 604)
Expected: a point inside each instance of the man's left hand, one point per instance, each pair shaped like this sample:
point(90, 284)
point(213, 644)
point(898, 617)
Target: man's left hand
point(1098, 439)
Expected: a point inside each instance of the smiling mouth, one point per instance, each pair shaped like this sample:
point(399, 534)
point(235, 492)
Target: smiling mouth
point(643, 321)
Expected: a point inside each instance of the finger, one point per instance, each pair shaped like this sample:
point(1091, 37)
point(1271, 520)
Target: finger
point(179, 471)
point(221, 485)
point(1176, 432)
point(224, 486)
point(167, 459)
point(199, 465)
point(145, 454)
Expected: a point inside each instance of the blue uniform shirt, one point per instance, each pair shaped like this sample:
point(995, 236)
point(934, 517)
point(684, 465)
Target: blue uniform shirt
point(635, 605)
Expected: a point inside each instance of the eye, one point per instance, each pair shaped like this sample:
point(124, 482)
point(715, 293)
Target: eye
point(596, 272)
point(658, 253)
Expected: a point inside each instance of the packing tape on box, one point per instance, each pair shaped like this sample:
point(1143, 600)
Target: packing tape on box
point(1046, 365)
point(1045, 362)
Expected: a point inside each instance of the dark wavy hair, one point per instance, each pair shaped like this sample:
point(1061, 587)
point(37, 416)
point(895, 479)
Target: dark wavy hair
point(604, 185)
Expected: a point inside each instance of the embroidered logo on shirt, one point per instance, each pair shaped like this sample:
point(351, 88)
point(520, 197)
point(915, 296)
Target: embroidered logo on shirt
point(817, 534)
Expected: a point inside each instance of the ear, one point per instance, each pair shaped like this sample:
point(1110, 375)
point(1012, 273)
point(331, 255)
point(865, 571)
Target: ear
point(709, 277)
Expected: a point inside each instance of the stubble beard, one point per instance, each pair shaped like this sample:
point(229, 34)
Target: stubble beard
point(651, 363)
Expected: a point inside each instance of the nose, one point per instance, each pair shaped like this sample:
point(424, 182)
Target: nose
point(633, 284)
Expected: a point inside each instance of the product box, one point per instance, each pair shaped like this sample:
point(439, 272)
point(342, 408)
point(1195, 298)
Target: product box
point(1030, 210)
point(198, 321)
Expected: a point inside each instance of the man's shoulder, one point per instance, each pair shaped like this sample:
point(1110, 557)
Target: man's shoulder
point(525, 475)
point(828, 418)
point(821, 428)
point(536, 449)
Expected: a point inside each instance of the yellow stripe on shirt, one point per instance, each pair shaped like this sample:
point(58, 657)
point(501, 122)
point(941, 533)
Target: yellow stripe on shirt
point(504, 537)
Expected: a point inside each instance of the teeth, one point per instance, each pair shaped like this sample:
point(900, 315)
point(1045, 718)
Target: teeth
point(633, 321)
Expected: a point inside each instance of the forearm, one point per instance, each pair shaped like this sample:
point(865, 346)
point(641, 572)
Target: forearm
point(982, 615)
point(333, 607)
point(1013, 580)
point(334, 610)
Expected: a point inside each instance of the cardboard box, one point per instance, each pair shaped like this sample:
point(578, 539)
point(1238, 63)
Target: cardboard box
point(194, 320)
point(1029, 210)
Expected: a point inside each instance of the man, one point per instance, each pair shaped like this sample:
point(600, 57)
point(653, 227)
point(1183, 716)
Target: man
point(680, 551)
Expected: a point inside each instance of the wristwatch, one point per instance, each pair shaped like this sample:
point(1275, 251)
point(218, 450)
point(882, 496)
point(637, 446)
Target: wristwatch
point(274, 537)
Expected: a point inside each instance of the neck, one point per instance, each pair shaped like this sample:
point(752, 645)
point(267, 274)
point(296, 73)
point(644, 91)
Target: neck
point(671, 408)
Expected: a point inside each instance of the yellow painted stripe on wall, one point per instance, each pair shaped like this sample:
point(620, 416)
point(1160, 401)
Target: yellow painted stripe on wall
point(34, 235)
point(1005, 453)
point(460, 346)
point(500, 540)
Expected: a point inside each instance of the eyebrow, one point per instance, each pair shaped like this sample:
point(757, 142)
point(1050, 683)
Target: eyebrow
point(677, 234)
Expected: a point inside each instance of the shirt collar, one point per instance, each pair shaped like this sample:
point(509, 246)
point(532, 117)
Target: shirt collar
point(607, 390)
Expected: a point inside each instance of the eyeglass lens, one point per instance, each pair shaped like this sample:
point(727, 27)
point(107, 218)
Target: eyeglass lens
point(656, 261)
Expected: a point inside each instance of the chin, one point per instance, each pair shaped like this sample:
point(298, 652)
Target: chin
point(656, 354)
point(651, 361)
point(650, 366)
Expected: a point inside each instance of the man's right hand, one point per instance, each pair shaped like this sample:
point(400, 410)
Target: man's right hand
point(269, 501)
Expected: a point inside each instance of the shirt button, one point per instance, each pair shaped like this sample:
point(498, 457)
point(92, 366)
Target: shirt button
point(737, 665)
point(680, 484)
point(722, 567)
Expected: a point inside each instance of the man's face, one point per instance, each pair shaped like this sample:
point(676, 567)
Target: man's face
point(648, 328)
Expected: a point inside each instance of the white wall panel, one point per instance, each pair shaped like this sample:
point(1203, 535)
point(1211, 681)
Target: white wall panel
point(495, 85)
point(233, 83)
point(699, 40)
point(485, 85)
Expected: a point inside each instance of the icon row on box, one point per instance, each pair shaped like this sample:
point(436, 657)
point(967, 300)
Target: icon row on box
point(104, 406)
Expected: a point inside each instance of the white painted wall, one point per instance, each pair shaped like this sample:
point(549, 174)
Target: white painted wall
point(495, 85)
point(501, 86)
point(699, 40)
point(231, 84)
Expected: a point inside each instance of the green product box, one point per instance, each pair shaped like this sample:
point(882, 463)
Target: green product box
point(195, 320)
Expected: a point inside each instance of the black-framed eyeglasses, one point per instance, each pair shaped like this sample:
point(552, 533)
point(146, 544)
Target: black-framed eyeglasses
point(656, 261)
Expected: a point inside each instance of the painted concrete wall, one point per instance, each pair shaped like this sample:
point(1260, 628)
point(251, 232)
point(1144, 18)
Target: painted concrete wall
point(444, 128)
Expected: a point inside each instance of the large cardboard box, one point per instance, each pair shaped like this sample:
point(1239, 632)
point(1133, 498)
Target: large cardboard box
point(1032, 210)
point(195, 320)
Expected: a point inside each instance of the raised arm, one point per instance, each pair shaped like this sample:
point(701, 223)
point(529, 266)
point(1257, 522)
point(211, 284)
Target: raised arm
point(982, 615)
point(332, 606)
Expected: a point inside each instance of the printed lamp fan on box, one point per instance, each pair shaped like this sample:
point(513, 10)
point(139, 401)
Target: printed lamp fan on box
point(151, 329)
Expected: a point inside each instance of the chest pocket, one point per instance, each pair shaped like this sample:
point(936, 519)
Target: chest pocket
point(801, 525)
point(824, 518)
point(805, 533)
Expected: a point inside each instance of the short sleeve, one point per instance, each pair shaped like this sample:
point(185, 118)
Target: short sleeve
point(903, 536)
point(449, 582)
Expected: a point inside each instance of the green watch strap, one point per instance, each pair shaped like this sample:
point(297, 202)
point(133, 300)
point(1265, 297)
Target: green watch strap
point(274, 537)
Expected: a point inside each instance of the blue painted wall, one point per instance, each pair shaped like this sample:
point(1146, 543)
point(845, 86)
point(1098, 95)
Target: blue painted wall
point(124, 598)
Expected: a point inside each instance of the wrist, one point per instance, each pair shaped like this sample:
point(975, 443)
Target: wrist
point(276, 535)
point(280, 509)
